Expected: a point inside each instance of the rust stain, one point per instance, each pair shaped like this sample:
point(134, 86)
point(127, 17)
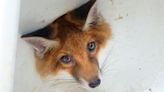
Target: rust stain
point(150, 90)
point(119, 17)
point(127, 14)
point(43, 21)
point(112, 2)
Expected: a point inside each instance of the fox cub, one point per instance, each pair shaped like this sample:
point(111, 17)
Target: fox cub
point(72, 43)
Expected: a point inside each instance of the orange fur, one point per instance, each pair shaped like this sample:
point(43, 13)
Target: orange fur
point(73, 40)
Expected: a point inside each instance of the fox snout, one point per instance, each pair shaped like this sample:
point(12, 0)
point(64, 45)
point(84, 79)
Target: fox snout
point(87, 72)
point(95, 83)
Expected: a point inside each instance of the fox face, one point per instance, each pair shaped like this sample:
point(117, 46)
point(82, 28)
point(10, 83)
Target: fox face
point(72, 45)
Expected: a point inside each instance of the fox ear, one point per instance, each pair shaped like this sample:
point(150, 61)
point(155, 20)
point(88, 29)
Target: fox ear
point(94, 17)
point(41, 45)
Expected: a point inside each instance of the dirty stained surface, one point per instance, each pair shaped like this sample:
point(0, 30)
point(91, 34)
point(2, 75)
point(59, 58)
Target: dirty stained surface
point(133, 60)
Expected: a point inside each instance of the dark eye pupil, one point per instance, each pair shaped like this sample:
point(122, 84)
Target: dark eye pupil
point(91, 46)
point(66, 59)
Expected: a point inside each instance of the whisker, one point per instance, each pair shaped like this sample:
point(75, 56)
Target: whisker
point(107, 67)
point(108, 71)
point(106, 58)
point(105, 63)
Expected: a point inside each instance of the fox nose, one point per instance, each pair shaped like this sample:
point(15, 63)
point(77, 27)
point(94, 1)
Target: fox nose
point(94, 83)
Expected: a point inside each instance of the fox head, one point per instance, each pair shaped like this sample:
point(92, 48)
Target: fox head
point(72, 45)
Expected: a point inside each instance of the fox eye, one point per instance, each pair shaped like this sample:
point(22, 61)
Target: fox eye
point(66, 59)
point(91, 46)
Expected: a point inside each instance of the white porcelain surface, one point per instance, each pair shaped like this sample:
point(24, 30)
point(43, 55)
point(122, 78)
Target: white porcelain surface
point(135, 54)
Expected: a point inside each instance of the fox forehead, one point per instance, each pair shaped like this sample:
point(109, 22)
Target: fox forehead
point(70, 30)
point(69, 33)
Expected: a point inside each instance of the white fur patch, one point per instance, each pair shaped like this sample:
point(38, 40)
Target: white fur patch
point(59, 83)
point(63, 82)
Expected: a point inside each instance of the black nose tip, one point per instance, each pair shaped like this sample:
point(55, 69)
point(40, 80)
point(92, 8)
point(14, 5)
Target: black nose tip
point(94, 83)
